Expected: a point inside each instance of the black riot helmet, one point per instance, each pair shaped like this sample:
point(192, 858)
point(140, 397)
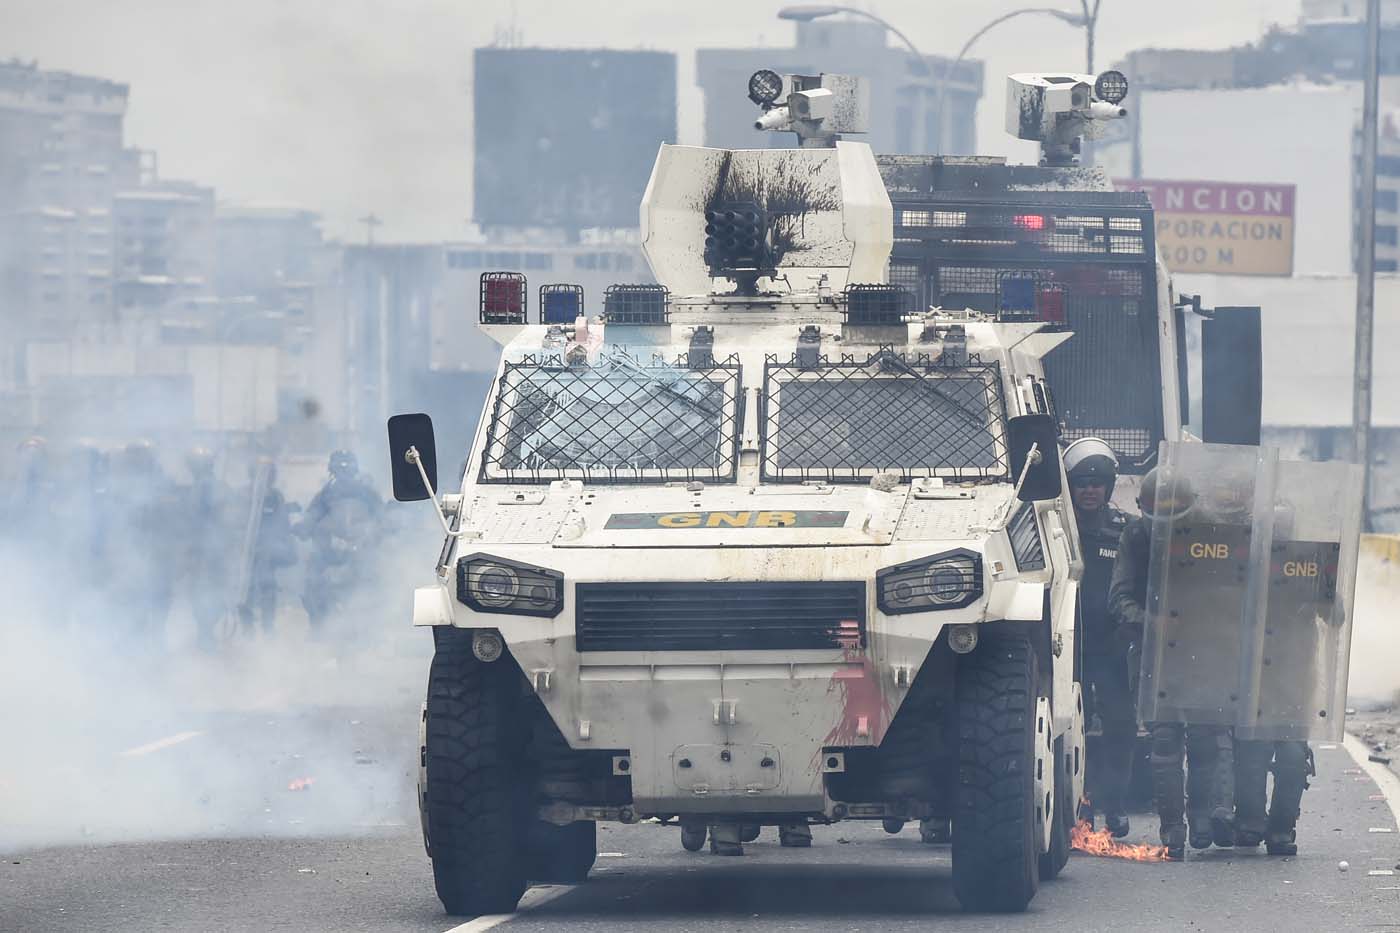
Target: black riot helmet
point(343, 464)
point(1165, 497)
point(1091, 458)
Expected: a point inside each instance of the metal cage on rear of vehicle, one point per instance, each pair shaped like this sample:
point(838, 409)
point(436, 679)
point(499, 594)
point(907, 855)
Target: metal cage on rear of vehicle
point(1004, 240)
point(848, 419)
point(615, 419)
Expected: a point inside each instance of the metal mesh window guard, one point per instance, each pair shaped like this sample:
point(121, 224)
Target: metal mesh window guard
point(847, 420)
point(619, 420)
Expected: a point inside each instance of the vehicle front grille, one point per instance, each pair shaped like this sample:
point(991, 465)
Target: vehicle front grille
point(719, 616)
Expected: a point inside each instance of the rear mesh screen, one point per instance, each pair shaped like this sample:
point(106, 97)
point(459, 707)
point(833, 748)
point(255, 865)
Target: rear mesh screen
point(1098, 265)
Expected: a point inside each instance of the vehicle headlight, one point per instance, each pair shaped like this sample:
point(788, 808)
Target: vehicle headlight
point(493, 584)
point(949, 580)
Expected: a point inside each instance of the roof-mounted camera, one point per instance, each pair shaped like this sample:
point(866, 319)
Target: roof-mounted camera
point(1058, 110)
point(818, 108)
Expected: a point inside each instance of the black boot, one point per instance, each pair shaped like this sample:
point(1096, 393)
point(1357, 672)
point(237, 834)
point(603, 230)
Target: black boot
point(1281, 842)
point(1222, 828)
point(1174, 838)
point(795, 836)
point(934, 831)
point(1117, 825)
point(1248, 838)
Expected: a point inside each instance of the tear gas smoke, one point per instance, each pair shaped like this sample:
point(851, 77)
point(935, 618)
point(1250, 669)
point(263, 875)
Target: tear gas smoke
point(118, 726)
point(1375, 643)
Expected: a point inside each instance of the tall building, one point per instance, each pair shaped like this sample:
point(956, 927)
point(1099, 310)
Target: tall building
point(905, 93)
point(411, 310)
point(1297, 89)
point(1387, 196)
point(62, 160)
point(565, 138)
point(165, 256)
point(266, 251)
point(1297, 133)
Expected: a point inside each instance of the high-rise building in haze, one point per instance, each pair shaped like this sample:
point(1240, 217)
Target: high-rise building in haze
point(62, 160)
point(565, 138)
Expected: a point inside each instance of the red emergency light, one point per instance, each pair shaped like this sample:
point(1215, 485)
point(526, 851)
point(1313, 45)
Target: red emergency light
point(1029, 221)
point(1050, 304)
point(503, 298)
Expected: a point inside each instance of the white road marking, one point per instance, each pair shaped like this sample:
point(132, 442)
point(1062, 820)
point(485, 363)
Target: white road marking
point(1385, 778)
point(158, 744)
point(533, 898)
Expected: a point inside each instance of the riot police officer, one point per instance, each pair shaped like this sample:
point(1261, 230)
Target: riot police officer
point(340, 519)
point(1092, 469)
point(273, 548)
point(1208, 790)
point(1292, 764)
point(27, 499)
point(205, 517)
point(1293, 647)
point(138, 512)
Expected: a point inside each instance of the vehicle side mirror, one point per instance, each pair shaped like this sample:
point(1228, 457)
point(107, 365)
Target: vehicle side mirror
point(412, 431)
point(1043, 477)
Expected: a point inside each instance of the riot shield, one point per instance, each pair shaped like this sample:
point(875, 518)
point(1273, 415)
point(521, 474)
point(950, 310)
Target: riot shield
point(1306, 639)
point(1252, 568)
point(1199, 581)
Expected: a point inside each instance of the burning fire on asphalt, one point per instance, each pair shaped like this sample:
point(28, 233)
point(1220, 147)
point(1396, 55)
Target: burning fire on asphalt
point(1084, 838)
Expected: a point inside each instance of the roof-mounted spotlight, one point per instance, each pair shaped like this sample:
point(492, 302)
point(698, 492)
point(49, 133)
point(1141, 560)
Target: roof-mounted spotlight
point(765, 86)
point(1111, 86)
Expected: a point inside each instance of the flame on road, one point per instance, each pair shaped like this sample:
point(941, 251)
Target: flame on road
point(1101, 842)
point(301, 784)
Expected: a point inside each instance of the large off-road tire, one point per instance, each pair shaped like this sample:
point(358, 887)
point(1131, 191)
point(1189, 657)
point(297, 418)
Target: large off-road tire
point(995, 848)
point(476, 802)
point(1054, 861)
point(563, 854)
point(693, 836)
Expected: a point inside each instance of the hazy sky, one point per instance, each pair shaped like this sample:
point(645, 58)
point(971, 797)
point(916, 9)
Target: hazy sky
point(351, 105)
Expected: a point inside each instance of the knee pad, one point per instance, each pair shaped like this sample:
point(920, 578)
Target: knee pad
point(1290, 758)
point(1167, 743)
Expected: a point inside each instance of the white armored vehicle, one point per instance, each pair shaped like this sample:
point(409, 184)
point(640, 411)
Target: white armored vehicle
point(763, 544)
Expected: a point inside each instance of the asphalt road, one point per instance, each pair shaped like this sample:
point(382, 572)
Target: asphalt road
point(343, 853)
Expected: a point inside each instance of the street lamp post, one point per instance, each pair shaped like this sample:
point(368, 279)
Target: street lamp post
point(806, 12)
point(1074, 19)
point(1366, 262)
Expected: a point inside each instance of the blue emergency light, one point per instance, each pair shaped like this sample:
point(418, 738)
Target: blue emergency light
point(560, 304)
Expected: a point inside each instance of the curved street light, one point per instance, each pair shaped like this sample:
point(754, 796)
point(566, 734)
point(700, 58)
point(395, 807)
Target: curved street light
point(1073, 19)
point(806, 12)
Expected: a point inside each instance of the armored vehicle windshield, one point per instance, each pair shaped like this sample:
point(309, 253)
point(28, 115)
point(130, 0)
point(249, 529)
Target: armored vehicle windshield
point(849, 419)
point(615, 418)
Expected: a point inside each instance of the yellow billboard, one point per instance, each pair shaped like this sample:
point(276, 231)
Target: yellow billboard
point(1221, 227)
